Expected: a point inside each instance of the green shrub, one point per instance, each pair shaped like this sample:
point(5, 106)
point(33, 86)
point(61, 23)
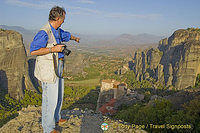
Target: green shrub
point(31, 98)
point(161, 112)
point(8, 109)
point(197, 83)
point(155, 113)
point(80, 95)
point(9, 106)
point(128, 114)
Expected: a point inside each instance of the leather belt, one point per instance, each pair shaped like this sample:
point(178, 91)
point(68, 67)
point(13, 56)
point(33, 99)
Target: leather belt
point(61, 59)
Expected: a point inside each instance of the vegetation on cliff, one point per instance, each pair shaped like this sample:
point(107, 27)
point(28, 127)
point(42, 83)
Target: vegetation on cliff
point(193, 29)
point(160, 112)
point(9, 106)
point(79, 96)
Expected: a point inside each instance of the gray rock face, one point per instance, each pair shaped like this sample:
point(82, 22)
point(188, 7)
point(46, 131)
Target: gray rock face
point(78, 121)
point(175, 62)
point(140, 97)
point(13, 68)
point(29, 120)
point(182, 97)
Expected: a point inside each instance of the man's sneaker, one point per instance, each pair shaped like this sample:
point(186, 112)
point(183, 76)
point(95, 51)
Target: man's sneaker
point(61, 121)
point(55, 131)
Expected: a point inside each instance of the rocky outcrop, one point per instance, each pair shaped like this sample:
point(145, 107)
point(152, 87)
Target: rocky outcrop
point(183, 97)
point(84, 121)
point(14, 76)
point(175, 62)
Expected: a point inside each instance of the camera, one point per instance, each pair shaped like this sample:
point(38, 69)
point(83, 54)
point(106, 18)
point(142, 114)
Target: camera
point(66, 51)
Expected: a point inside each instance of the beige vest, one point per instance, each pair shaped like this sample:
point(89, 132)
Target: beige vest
point(44, 66)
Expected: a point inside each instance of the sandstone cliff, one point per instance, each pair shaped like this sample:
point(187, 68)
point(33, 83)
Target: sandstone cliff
point(174, 62)
point(14, 76)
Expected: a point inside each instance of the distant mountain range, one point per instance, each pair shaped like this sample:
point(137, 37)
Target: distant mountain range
point(140, 39)
point(27, 34)
point(95, 40)
point(18, 29)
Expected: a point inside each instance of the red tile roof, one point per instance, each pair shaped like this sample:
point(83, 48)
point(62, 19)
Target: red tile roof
point(108, 107)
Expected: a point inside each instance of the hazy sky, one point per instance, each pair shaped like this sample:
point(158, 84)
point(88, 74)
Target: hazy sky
point(159, 17)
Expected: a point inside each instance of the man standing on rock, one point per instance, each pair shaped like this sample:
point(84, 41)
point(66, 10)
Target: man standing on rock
point(49, 67)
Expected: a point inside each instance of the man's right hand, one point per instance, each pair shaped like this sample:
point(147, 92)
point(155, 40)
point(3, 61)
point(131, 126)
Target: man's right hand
point(57, 48)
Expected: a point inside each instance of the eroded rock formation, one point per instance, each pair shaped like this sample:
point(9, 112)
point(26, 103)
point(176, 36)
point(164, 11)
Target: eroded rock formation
point(174, 62)
point(14, 76)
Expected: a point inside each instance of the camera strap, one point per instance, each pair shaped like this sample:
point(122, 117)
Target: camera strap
point(56, 66)
point(59, 35)
point(55, 61)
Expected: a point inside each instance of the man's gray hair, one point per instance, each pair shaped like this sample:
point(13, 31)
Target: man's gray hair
point(55, 12)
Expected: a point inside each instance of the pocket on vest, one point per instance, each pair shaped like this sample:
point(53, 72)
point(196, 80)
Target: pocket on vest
point(46, 70)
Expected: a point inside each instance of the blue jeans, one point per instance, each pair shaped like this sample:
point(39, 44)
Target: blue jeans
point(52, 98)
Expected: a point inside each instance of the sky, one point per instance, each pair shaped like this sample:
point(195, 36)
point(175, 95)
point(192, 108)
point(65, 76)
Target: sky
point(105, 17)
